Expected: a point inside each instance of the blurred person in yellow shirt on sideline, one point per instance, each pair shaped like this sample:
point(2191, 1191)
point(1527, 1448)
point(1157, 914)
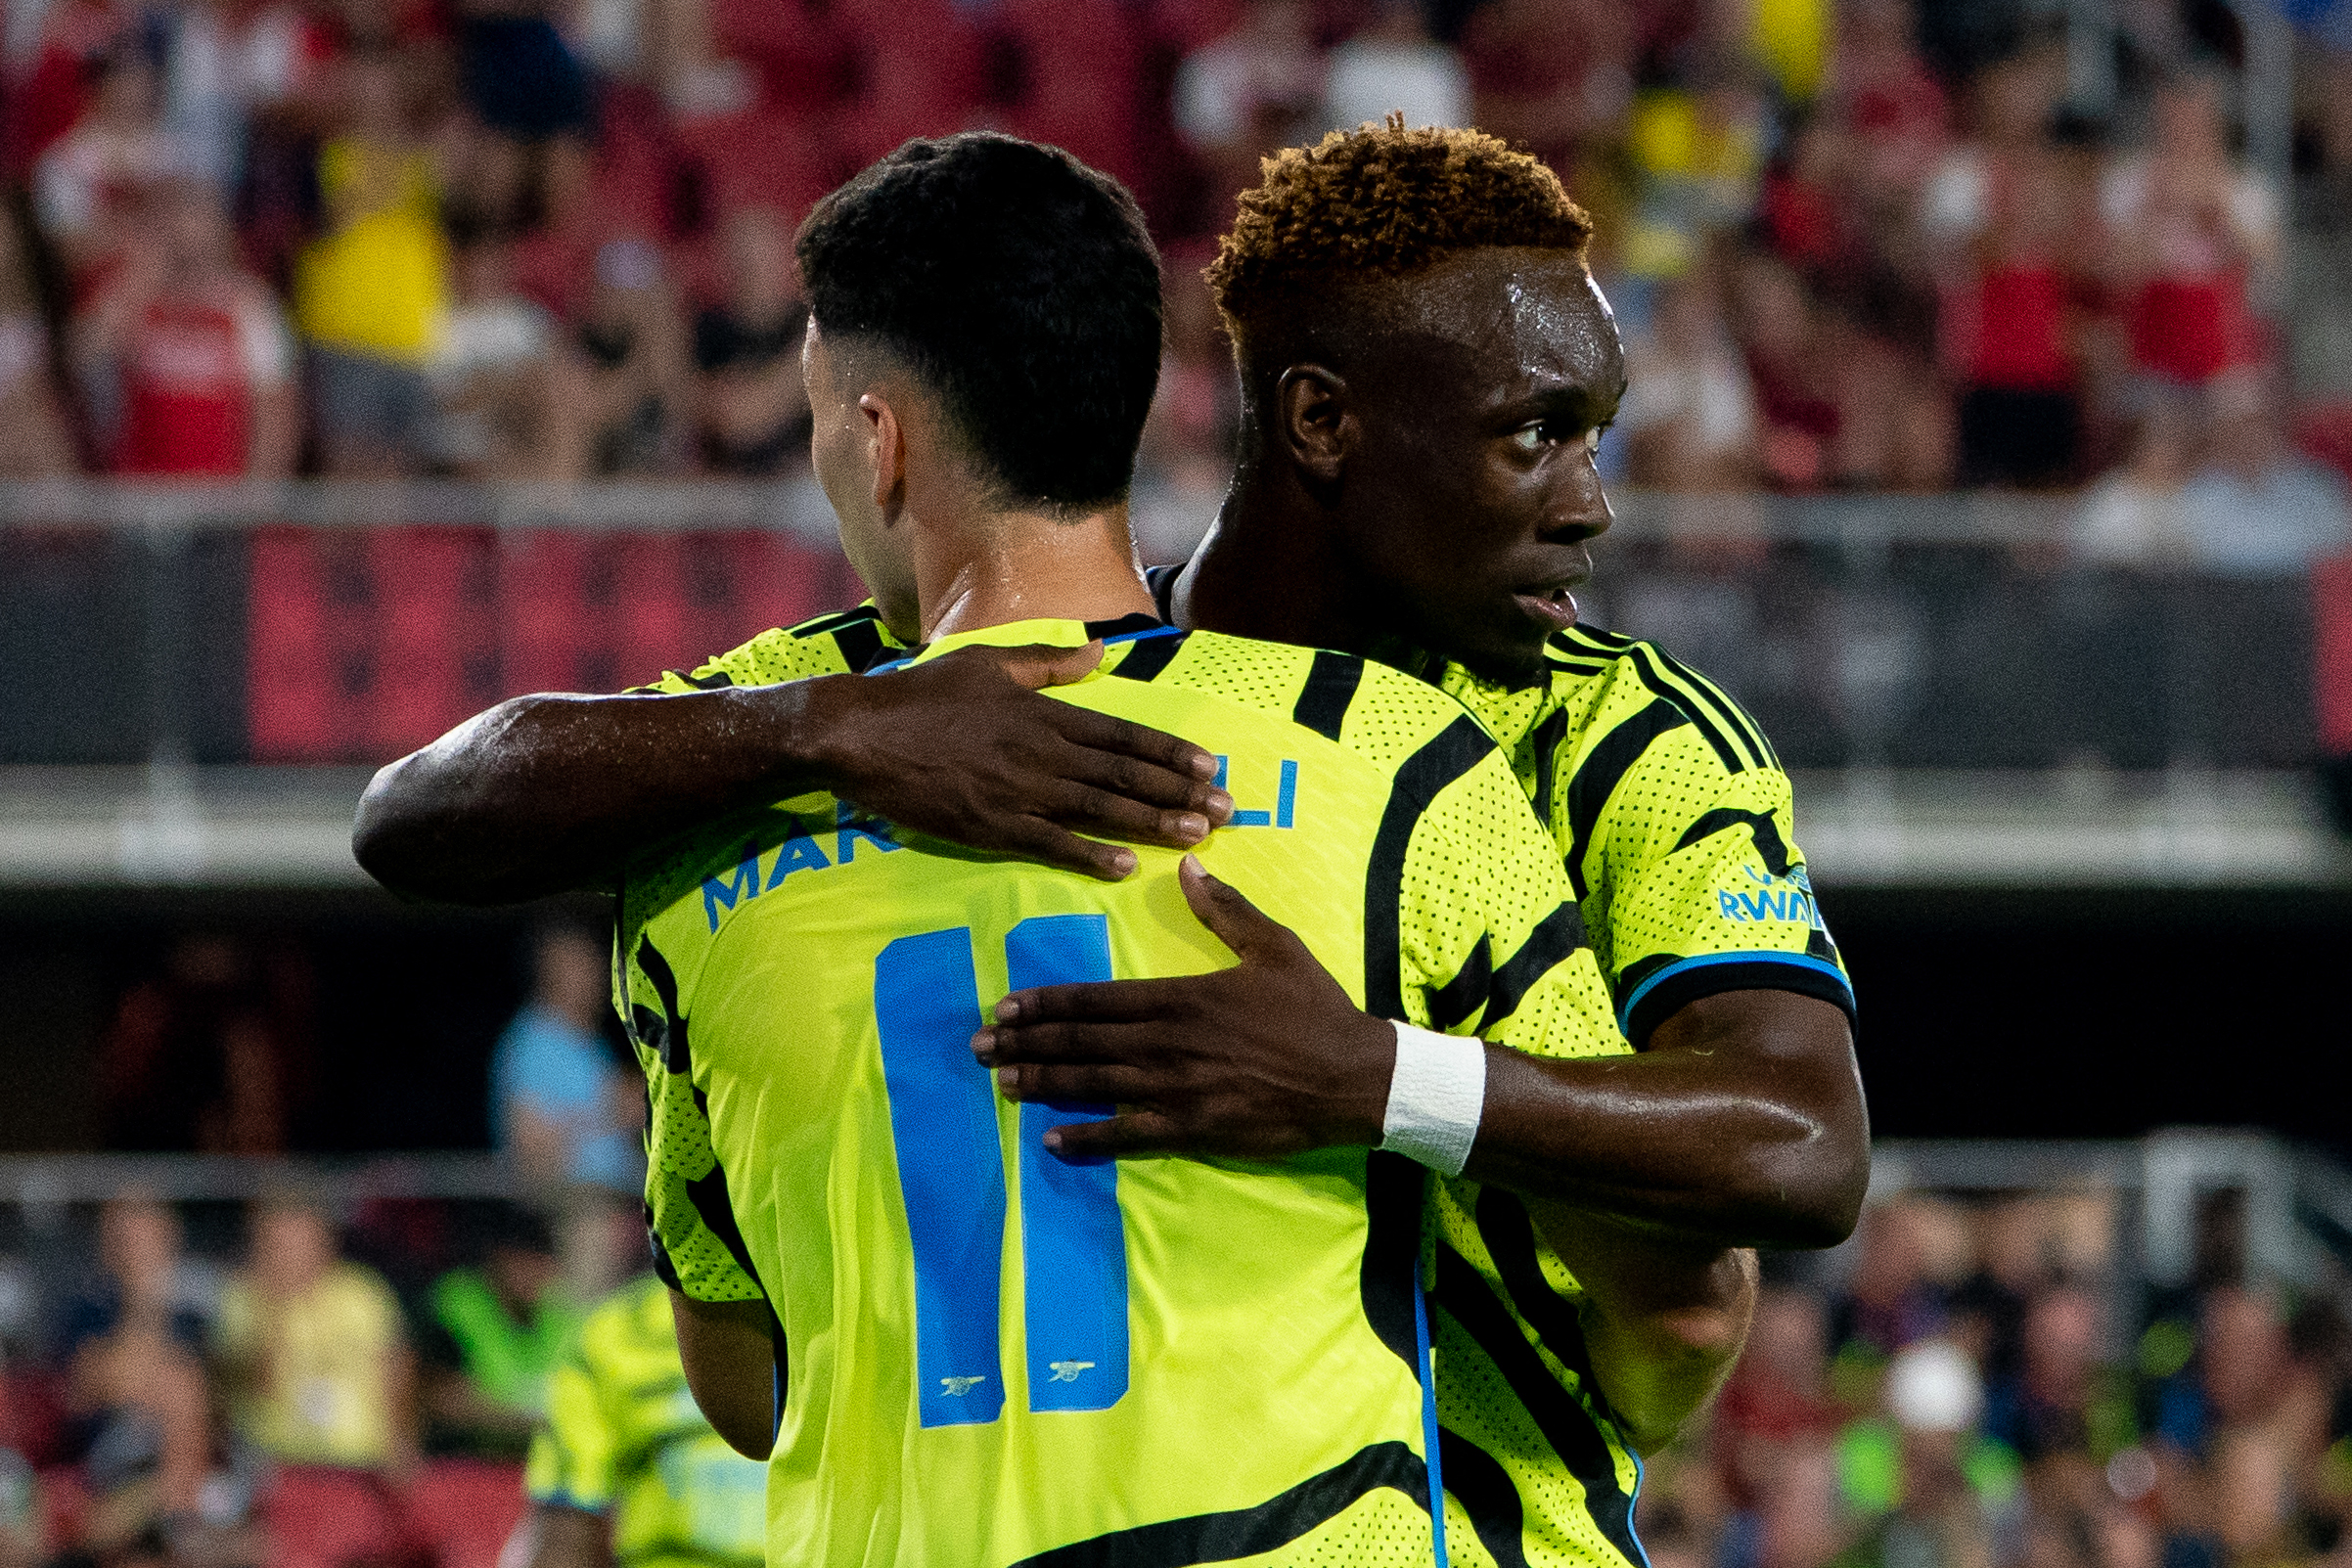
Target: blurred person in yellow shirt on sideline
point(624, 1470)
point(371, 294)
point(311, 1349)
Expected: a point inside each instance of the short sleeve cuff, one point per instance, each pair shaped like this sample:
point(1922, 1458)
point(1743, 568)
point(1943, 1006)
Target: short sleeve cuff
point(1667, 990)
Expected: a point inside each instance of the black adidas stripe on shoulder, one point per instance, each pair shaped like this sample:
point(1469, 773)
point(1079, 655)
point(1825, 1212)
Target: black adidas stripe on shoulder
point(1725, 726)
point(1331, 683)
point(857, 633)
point(1147, 657)
point(1597, 777)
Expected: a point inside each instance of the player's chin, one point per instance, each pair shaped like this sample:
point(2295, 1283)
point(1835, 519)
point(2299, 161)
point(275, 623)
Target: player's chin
point(1509, 648)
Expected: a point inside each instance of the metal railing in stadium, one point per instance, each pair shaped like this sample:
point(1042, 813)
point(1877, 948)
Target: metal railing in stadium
point(1936, 660)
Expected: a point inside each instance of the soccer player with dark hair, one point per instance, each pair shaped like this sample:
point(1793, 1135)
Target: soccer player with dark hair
point(991, 1354)
point(1428, 363)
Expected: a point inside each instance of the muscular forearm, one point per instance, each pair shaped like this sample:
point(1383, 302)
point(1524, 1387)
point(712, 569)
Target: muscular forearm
point(555, 793)
point(1740, 1125)
point(1663, 1320)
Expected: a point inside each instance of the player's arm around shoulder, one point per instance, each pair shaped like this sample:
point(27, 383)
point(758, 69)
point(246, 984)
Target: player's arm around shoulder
point(559, 791)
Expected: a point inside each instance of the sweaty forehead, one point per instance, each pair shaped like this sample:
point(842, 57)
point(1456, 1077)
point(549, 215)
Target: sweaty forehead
point(1514, 322)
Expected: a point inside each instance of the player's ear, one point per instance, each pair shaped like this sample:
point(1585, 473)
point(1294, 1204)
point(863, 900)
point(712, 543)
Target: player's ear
point(1315, 420)
point(886, 451)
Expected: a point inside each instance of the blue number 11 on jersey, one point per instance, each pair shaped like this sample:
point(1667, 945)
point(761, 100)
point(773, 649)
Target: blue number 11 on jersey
point(951, 1171)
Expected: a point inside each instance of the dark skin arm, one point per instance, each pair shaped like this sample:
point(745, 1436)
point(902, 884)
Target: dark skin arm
point(1663, 1319)
point(1740, 1125)
point(728, 1351)
point(558, 793)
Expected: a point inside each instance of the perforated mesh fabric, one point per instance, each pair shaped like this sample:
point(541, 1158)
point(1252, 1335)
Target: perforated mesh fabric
point(1472, 876)
point(1675, 821)
point(828, 645)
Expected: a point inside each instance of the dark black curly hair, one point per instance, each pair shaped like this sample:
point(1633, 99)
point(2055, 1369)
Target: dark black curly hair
point(1021, 286)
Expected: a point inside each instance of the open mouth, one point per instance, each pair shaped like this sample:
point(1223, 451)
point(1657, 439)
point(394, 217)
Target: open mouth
point(1554, 603)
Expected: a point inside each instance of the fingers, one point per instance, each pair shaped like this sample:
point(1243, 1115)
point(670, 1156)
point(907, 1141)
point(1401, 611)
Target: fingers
point(1128, 1046)
point(1088, 1085)
point(1229, 917)
point(1121, 773)
point(1100, 731)
point(1096, 811)
point(1051, 845)
point(1139, 1131)
point(1102, 1002)
point(1036, 665)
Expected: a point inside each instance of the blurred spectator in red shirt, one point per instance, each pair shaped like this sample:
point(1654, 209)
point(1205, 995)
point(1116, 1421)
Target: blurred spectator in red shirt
point(1257, 88)
point(1779, 332)
point(370, 293)
point(2192, 229)
point(183, 355)
point(1882, 91)
point(750, 405)
point(1547, 73)
point(1778, 1398)
point(91, 182)
point(1806, 213)
point(50, 97)
point(2006, 216)
point(33, 441)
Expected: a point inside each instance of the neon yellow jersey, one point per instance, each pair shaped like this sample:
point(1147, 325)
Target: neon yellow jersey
point(1675, 821)
point(624, 1437)
point(996, 1357)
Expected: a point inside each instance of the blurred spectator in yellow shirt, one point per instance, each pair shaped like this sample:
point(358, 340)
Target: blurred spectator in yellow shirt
point(370, 294)
point(311, 1346)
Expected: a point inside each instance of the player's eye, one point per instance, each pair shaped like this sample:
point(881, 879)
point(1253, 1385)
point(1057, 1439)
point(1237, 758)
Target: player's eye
point(1531, 437)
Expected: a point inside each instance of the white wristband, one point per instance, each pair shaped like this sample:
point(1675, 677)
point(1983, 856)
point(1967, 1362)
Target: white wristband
point(1435, 1099)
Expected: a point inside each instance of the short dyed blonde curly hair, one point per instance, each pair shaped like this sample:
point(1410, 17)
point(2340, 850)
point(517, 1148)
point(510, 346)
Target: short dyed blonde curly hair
point(1384, 200)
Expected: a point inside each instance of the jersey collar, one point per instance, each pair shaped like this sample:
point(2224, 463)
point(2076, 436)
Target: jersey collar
point(1047, 633)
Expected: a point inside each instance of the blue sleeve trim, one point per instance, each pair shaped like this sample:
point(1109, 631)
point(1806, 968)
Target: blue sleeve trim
point(1685, 982)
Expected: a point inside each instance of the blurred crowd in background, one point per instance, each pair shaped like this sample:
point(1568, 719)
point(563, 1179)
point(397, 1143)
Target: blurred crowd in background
point(1969, 1383)
point(1853, 247)
point(290, 1380)
point(1979, 1381)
